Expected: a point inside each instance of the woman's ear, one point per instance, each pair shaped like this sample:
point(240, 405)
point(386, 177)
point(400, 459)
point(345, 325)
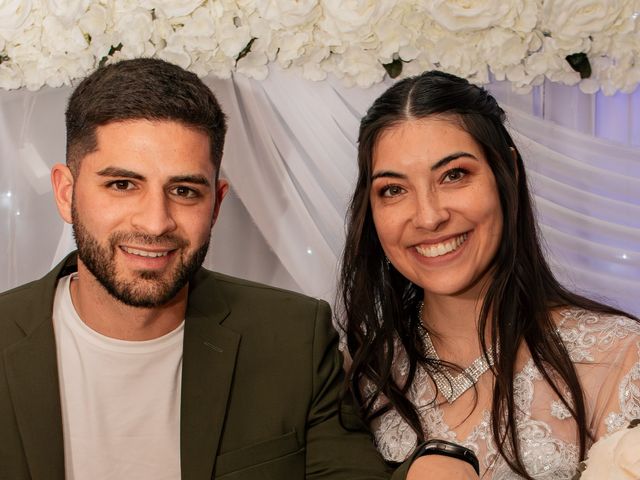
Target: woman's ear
point(62, 182)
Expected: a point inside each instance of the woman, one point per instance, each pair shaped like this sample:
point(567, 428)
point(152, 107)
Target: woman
point(455, 324)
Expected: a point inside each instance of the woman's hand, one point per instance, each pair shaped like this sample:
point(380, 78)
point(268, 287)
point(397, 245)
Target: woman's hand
point(440, 467)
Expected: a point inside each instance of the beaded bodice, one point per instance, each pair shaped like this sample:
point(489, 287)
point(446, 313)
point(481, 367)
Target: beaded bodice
point(606, 353)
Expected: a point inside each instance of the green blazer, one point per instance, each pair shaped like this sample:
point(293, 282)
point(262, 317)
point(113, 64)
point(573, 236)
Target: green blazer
point(260, 379)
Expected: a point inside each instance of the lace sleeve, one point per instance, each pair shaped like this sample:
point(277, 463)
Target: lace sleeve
point(618, 400)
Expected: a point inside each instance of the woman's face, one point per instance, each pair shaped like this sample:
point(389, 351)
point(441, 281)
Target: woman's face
point(435, 206)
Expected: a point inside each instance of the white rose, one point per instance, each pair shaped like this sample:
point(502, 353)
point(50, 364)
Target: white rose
point(467, 15)
point(418, 65)
point(171, 9)
point(198, 24)
point(27, 55)
point(452, 54)
point(616, 457)
point(581, 18)
point(28, 49)
point(13, 14)
point(194, 37)
point(61, 69)
point(398, 33)
point(253, 65)
point(220, 65)
point(134, 29)
point(231, 38)
point(67, 11)
point(357, 67)
point(503, 49)
point(352, 19)
point(270, 41)
point(292, 45)
point(9, 78)
point(612, 75)
point(95, 21)
point(312, 64)
point(550, 61)
point(288, 14)
point(175, 54)
point(58, 39)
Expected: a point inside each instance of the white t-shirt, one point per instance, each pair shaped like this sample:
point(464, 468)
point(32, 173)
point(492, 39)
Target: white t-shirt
point(120, 399)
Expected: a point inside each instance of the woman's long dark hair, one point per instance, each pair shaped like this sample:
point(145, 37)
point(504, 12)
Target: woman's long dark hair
point(381, 305)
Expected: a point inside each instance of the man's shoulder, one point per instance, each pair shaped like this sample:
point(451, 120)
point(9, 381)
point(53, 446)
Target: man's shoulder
point(248, 290)
point(20, 297)
point(20, 311)
point(26, 306)
point(253, 306)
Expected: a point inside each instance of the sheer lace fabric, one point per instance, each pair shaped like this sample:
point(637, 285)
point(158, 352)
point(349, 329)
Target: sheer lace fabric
point(606, 352)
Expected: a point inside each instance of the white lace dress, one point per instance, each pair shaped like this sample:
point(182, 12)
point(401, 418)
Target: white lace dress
point(606, 352)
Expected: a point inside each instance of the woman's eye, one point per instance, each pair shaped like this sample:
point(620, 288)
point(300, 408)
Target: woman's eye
point(392, 191)
point(454, 175)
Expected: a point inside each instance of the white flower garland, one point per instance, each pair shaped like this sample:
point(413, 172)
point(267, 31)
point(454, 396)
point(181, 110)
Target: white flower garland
point(52, 42)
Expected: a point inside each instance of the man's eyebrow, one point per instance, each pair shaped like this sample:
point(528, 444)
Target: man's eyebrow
point(119, 172)
point(195, 179)
point(124, 173)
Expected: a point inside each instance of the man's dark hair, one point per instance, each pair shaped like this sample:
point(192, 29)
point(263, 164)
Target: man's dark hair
point(143, 88)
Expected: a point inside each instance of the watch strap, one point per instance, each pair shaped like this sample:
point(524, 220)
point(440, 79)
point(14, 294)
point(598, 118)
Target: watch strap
point(450, 449)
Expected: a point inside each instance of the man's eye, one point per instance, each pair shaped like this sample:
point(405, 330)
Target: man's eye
point(121, 185)
point(185, 192)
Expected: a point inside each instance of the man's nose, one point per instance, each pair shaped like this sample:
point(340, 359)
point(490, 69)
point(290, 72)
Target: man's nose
point(154, 214)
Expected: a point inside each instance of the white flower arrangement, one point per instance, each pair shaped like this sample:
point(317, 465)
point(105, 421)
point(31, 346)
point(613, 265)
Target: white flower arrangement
point(594, 43)
point(615, 457)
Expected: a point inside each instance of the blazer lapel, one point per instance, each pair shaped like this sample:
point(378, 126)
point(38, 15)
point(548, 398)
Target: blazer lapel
point(208, 363)
point(32, 377)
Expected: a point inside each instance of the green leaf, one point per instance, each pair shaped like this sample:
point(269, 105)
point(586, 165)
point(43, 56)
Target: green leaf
point(246, 49)
point(112, 50)
point(394, 68)
point(580, 63)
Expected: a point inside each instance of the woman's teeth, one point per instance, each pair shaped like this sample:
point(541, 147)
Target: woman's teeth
point(441, 248)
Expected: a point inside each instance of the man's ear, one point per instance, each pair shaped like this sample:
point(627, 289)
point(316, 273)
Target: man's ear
point(222, 187)
point(62, 183)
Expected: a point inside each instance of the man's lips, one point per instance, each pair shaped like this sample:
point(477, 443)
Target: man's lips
point(441, 248)
point(146, 253)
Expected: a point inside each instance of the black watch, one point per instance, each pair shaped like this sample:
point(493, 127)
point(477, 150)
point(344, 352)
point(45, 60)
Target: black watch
point(449, 449)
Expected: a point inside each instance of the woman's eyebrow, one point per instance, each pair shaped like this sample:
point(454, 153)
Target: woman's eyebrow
point(387, 174)
point(450, 158)
point(439, 164)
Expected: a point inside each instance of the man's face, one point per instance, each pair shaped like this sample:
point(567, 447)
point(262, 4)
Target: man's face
point(142, 209)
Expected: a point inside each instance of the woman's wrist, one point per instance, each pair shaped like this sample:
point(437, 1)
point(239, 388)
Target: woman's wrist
point(449, 449)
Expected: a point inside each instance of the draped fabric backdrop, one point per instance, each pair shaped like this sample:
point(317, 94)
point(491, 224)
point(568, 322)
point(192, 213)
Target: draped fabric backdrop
point(290, 158)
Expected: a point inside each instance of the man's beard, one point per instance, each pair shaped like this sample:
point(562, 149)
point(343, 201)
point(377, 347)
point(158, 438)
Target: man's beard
point(150, 289)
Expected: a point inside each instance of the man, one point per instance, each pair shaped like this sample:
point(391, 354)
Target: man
point(130, 361)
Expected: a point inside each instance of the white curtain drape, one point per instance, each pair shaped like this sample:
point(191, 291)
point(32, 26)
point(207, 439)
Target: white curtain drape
point(290, 157)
